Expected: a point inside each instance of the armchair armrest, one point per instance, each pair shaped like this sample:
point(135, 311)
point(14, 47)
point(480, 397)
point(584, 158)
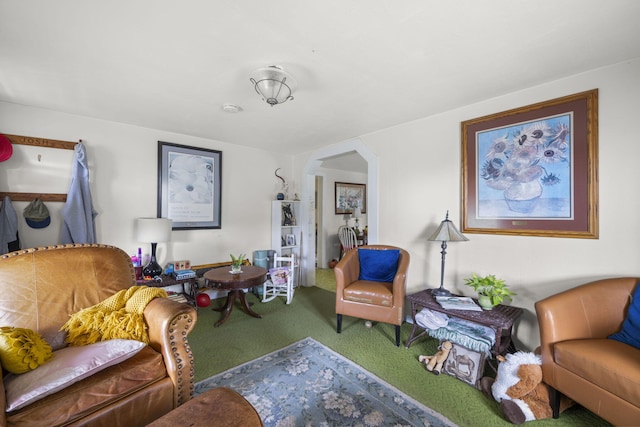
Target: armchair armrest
point(592, 310)
point(400, 280)
point(169, 324)
point(347, 270)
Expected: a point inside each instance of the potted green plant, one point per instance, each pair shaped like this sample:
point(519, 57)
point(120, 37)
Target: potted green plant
point(491, 290)
point(236, 263)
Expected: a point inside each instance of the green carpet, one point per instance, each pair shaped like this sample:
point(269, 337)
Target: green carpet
point(326, 279)
point(243, 338)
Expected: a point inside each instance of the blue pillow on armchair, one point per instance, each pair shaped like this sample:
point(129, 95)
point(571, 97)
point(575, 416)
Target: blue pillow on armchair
point(378, 265)
point(630, 332)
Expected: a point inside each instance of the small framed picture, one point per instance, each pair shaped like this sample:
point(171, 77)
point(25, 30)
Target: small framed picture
point(464, 364)
point(288, 215)
point(291, 240)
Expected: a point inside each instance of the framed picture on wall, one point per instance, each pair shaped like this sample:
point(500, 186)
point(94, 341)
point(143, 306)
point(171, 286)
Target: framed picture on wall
point(189, 186)
point(349, 196)
point(533, 170)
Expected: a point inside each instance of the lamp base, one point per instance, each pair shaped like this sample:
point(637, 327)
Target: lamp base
point(152, 269)
point(440, 292)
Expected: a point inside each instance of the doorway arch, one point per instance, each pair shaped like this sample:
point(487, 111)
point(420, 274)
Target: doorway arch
point(308, 196)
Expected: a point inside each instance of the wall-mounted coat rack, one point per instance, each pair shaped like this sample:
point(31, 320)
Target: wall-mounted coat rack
point(38, 142)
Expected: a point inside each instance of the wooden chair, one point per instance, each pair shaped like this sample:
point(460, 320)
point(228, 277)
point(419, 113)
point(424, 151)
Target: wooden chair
point(348, 239)
point(281, 280)
point(379, 301)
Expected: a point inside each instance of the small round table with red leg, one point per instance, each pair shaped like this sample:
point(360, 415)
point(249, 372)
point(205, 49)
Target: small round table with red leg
point(223, 279)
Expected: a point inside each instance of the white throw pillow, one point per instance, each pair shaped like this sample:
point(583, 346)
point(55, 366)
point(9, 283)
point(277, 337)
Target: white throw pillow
point(68, 365)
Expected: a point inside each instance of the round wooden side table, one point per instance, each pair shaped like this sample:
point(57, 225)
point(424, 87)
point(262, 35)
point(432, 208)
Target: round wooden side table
point(235, 283)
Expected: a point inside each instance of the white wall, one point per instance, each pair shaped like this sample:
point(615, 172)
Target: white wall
point(332, 221)
point(419, 180)
point(123, 167)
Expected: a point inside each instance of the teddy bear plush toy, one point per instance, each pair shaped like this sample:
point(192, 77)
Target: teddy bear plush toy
point(434, 363)
point(519, 388)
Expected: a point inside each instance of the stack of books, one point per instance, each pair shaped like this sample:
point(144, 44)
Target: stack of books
point(184, 274)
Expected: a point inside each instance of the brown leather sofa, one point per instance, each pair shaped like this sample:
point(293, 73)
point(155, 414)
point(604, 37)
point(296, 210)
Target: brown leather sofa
point(40, 288)
point(578, 360)
point(376, 301)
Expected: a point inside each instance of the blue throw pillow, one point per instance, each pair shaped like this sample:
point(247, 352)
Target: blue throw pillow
point(630, 332)
point(378, 265)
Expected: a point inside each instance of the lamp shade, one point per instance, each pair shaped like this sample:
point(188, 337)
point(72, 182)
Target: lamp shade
point(357, 213)
point(153, 230)
point(447, 232)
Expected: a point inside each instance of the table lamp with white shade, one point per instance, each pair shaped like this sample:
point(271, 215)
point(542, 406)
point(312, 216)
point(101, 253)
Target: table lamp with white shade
point(357, 213)
point(346, 217)
point(154, 231)
point(446, 232)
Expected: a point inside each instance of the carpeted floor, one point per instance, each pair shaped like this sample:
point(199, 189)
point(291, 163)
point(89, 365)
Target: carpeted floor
point(311, 314)
point(326, 279)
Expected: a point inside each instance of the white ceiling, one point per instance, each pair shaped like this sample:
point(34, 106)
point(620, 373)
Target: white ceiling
point(359, 65)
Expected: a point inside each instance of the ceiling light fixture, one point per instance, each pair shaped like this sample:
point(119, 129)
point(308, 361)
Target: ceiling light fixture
point(273, 84)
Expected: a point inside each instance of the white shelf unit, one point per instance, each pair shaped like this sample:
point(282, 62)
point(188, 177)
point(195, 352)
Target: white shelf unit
point(285, 229)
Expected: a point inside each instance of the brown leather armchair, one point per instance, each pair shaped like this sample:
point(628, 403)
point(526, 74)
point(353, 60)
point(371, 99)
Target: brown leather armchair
point(40, 288)
point(578, 360)
point(376, 301)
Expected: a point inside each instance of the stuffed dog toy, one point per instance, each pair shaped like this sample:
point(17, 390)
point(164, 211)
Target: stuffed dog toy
point(519, 388)
point(434, 363)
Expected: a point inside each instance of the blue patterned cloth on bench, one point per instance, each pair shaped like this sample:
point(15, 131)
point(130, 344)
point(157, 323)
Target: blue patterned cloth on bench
point(468, 334)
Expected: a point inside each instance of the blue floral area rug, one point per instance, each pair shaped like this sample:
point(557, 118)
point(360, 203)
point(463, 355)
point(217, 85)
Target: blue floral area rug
point(308, 384)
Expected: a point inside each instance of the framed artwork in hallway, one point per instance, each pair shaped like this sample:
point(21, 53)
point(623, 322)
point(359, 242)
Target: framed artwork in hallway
point(350, 196)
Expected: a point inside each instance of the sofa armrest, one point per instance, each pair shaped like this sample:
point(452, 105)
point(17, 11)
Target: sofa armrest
point(169, 324)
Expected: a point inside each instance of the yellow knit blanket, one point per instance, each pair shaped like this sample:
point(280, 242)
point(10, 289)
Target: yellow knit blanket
point(119, 316)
